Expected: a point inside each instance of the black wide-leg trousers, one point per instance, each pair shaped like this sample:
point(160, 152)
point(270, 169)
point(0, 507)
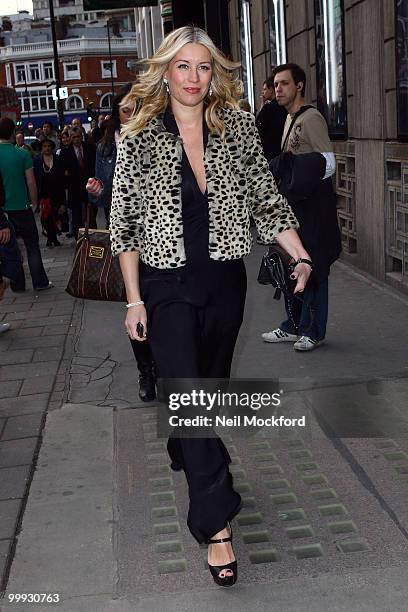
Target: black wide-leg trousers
point(193, 324)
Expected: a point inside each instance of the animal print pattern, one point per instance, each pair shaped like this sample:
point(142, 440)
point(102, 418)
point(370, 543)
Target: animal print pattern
point(146, 213)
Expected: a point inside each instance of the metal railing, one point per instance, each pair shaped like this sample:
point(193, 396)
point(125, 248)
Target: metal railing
point(75, 45)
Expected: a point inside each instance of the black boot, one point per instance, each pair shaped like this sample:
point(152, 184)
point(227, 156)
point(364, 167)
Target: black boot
point(147, 377)
point(147, 386)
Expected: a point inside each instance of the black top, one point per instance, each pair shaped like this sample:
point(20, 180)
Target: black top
point(50, 181)
point(194, 205)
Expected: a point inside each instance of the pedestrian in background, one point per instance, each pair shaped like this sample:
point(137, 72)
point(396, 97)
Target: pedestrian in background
point(188, 237)
point(306, 133)
point(39, 134)
point(105, 166)
point(95, 133)
point(64, 140)
point(244, 105)
point(270, 121)
point(20, 144)
point(50, 132)
point(49, 177)
point(76, 123)
point(16, 168)
point(78, 164)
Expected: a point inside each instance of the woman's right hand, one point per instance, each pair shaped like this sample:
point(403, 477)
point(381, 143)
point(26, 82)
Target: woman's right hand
point(135, 315)
point(94, 186)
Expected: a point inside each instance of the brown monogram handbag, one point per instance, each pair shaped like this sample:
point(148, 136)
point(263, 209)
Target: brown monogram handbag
point(95, 274)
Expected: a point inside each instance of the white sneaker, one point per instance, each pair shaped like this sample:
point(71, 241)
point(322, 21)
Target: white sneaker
point(278, 335)
point(49, 286)
point(4, 327)
point(306, 344)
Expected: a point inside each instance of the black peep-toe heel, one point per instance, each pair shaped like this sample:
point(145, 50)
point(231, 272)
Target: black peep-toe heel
point(215, 570)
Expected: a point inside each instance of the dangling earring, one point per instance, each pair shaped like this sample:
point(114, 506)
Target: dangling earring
point(166, 84)
point(210, 91)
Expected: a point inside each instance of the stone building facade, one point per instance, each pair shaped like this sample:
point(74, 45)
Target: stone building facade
point(355, 54)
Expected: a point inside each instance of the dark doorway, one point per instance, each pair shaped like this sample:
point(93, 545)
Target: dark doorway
point(211, 15)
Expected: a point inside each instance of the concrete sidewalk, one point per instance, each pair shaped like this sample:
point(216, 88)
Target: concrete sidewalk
point(34, 356)
point(104, 525)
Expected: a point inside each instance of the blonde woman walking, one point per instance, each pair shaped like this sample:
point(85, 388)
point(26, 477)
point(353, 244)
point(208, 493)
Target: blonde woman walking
point(189, 171)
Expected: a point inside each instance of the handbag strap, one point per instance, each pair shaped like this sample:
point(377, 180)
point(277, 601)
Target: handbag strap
point(87, 219)
point(294, 118)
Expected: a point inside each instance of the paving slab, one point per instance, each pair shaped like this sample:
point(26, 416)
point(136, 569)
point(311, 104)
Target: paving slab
point(8, 307)
point(4, 343)
point(13, 481)
point(5, 546)
point(15, 357)
point(55, 330)
point(38, 383)
point(23, 426)
point(30, 315)
point(9, 388)
point(17, 452)
point(48, 353)
point(28, 370)
point(29, 332)
point(26, 404)
point(39, 342)
point(9, 509)
point(42, 321)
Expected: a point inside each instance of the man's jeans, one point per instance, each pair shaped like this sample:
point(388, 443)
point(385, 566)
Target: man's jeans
point(10, 258)
point(310, 315)
point(24, 224)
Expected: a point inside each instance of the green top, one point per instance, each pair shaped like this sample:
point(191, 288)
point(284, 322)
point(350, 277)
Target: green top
point(13, 164)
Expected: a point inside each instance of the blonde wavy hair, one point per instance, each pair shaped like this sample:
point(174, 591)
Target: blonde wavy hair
point(148, 96)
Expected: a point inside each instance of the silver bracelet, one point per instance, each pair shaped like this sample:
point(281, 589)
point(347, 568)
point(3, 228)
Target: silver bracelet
point(138, 303)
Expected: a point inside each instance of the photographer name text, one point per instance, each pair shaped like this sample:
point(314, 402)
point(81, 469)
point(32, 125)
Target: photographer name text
point(237, 421)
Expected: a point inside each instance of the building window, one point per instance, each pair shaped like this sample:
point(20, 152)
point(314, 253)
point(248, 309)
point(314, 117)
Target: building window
point(277, 32)
point(48, 71)
point(401, 48)
point(106, 101)
point(246, 51)
point(71, 71)
point(330, 65)
point(34, 100)
point(24, 101)
point(34, 72)
point(20, 73)
point(107, 70)
point(8, 75)
point(74, 103)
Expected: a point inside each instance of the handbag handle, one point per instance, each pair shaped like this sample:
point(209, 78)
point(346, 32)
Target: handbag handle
point(87, 220)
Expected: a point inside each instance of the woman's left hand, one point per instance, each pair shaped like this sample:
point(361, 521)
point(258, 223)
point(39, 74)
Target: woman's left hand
point(94, 186)
point(301, 273)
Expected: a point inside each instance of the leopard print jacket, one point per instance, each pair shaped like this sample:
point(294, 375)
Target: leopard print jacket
point(146, 212)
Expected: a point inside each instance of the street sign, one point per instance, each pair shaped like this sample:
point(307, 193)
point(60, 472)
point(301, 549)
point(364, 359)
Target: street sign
point(63, 93)
point(105, 5)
